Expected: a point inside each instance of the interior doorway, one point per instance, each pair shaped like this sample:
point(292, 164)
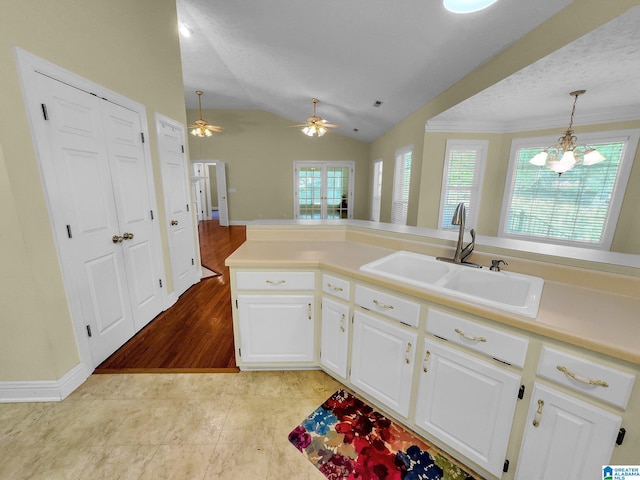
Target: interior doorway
point(209, 183)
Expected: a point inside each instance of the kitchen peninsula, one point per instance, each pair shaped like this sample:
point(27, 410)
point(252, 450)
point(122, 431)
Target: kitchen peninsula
point(301, 301)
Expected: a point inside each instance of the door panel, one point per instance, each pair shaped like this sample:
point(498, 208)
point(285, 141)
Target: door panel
point(177, 198)
point(221, 180)
point(133, 205)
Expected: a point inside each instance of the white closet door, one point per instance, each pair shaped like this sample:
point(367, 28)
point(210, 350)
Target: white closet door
point(133, 201)
point(84, 215)
point(177, 196)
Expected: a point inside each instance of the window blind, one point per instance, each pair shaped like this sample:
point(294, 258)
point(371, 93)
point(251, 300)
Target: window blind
point(462, 180)
point(575, 207)
point(401, 181)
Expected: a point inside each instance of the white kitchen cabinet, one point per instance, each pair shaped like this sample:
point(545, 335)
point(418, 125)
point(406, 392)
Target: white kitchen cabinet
point(467, 403)
point(276, 328)
point(382, 360)
point(334, 343)
point(565, 438)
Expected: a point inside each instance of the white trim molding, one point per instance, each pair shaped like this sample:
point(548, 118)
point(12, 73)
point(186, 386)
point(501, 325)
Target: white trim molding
point(44, 390)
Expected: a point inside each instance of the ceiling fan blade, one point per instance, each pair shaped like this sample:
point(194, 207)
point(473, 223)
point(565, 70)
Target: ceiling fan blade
point(214, 128)
point(331, 125)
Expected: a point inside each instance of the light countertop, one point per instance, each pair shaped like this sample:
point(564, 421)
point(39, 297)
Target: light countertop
point(598, 321)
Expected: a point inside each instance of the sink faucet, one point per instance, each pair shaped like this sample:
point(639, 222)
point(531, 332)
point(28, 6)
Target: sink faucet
point(459, 217)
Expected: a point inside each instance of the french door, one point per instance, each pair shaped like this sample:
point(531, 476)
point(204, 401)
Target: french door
point(323, 190)
point(101, 202)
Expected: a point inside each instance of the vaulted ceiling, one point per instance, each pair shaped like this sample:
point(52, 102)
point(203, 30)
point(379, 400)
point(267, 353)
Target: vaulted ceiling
point(276, 55)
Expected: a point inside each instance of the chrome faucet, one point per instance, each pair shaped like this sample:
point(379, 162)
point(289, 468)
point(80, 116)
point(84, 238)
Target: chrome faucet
point(459, 218)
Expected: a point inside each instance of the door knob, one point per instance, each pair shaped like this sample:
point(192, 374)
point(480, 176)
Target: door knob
point(174, 222)
point(117, 239)
point(127, 236)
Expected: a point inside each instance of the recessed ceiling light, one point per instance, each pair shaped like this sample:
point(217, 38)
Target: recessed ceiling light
point(467, 6)
point(185, 31)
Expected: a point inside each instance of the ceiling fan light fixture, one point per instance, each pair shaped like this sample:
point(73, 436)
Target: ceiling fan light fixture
point(565, 154)
point(316, 126)
point(201, 127)
point(467, 6)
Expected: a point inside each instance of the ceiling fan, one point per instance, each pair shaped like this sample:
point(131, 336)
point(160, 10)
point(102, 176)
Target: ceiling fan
point(315, 125)
point(201, 128)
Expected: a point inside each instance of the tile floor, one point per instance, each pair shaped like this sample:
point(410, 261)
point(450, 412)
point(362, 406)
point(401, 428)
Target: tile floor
point(174, 426)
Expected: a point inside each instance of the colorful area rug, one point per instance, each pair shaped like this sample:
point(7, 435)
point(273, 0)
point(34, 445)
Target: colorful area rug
point(346, 439)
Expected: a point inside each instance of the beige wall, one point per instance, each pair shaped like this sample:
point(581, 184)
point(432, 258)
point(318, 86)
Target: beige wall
point(259, 149)
point(579, 18)
point(498, 153)
point(130, 47)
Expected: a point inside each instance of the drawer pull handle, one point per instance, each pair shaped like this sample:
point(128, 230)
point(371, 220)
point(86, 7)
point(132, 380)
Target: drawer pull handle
point(472, 339)
point(581, 379)
point(342, 323)
point(406, 353)
point(538, 417)
point(334, 288)
point(309, 310)
point(382, 305)
point(426, 359)
point(276, 282)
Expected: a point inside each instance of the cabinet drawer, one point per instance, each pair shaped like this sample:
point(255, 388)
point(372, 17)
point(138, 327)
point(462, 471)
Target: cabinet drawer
point(275, 280)
point(335, 286)
point(586, 376)
point(489, 341)
point(405, 311)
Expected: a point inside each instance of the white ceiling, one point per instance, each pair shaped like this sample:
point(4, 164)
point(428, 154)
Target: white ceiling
point(605, 63)
point(276, 55)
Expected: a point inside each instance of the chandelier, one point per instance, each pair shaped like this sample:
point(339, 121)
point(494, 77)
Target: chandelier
point(564, 155)
point(201, 128)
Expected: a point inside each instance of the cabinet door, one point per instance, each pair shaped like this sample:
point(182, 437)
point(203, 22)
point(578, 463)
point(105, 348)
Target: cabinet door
point(335, 337)
point(467, 403)
point(276, 328)
point(382, 361)
point(571, 439)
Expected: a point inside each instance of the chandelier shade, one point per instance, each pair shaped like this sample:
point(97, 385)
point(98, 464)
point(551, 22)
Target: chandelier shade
point(565, 154)
point(202, 128)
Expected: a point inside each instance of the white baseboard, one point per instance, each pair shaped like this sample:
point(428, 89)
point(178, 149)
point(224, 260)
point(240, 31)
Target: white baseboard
point(45, 390)
point(171, 299)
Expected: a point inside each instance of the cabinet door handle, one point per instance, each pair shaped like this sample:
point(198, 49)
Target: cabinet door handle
point(117, 239)
point(382, 305)
point(472, 339)
point(538, 417)
point(334, 288)
point(276, 282)
point(309, 310)
point(581, 379)
point(342, 323)
point(426, 359)
point(406, 353)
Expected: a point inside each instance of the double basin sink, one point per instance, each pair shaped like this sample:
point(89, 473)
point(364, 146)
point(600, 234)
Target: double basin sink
point(503, 290)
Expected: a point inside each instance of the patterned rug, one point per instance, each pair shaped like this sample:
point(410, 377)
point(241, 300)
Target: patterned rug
point(346, 439)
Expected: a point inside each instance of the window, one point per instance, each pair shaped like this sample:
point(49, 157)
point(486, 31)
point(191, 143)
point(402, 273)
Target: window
point(579, 207)
point(323, 190)
point(401, 180)
point(376, 192)
point(462, 180)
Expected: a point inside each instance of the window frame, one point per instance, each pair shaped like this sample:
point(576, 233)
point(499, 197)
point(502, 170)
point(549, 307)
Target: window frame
point(473, 208)
point(629, 136)
point(401, 153)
